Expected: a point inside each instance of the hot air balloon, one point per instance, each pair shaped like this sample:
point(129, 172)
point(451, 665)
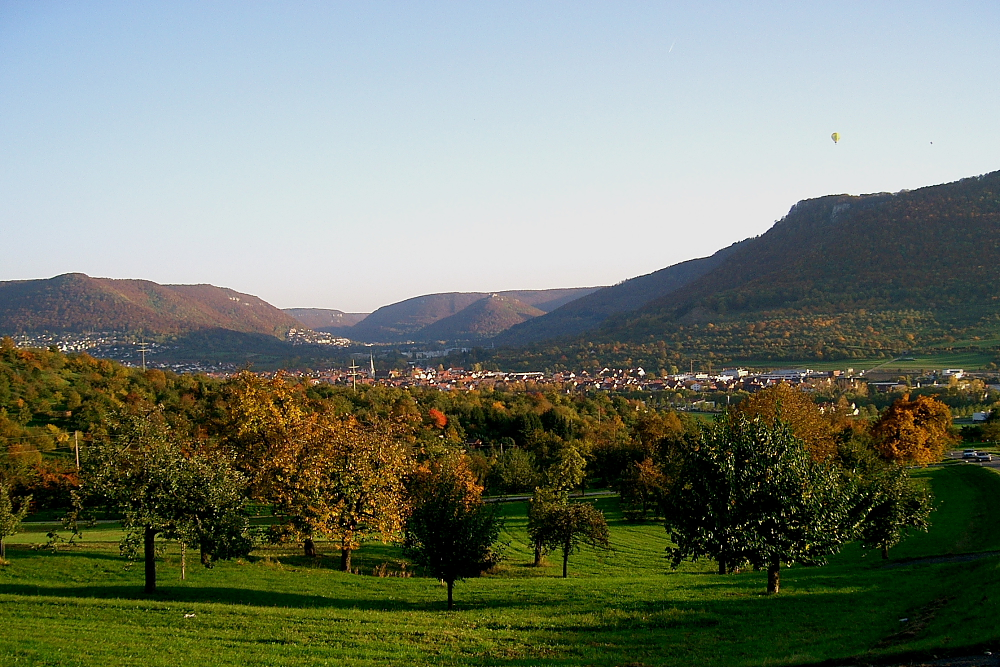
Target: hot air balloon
point(835, 136)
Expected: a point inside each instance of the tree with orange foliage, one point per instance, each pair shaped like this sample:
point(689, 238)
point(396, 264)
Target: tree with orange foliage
point(914, 432)
point(783, 402)
point(438, 418)
point(450, 531)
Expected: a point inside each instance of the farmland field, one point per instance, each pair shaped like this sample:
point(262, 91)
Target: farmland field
point(80, 605)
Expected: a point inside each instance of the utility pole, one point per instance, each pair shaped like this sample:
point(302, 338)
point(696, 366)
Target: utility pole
point(142, 350)
point(354, 374)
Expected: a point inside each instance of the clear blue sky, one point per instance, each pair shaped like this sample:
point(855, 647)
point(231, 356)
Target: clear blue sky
point(347, 155)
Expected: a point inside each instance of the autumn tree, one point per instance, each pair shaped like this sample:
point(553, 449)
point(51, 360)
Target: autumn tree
point(347, 481)
point(795, 408)
point(262, 419)
point(642, 488)
point(750, 492)
point(10, 519)
point(566, 526)
point(263, 426)
point(914, 431)
point(450, 531)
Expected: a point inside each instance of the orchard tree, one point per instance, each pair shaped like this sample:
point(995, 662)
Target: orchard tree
point(750, 492)
point(892, 505)
point(260, 427)
point(542, 502)
point(263, 427)
point(568, 471)
point(214, 519)
point(513, 471)
point(10, 519)
point(450, 531)
point(567, 525)
point(347, 481)
point(142, 470)
point(914, 432)
point(642, 489)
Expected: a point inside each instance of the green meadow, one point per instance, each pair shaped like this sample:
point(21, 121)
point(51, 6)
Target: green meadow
point(81, 605)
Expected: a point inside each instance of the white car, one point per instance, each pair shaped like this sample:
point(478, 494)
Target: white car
point(970, 454)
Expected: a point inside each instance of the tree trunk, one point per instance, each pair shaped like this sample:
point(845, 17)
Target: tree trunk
point(3, 549)
point(773, 577)
point(722, 565)
point(310, 547)
point(451, 602)
point(885, 552)
point(345, 558)
point(538, 554)
point(149, 554)
point(206, 558)
point(565, 563)
point(184, 561)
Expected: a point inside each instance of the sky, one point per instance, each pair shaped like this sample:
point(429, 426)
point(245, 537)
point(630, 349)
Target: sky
point(349, 155)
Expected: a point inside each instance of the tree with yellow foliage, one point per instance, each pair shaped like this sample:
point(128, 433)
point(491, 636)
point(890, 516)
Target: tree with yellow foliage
point(347, 481)
point(914, 432)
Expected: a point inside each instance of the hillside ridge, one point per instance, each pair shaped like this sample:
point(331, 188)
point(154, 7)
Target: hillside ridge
point(76, 302)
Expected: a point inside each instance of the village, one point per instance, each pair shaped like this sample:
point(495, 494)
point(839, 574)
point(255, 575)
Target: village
point(728, 380)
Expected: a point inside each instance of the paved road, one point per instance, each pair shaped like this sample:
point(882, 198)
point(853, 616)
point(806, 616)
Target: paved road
point(957, 454)
point(588, 494)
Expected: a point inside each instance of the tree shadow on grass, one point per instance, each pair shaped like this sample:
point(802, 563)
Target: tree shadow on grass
point(63, 550)
point(231, 596)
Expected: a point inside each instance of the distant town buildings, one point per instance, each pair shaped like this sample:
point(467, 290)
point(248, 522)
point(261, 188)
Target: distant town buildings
point(126, 349)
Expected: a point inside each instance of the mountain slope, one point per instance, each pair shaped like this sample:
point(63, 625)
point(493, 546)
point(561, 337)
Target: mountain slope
point(325, 319)
point(79, 303)
point(934, 248)
point(839, 277)
point(482, 319)
point(589, 311)
point(399, 321)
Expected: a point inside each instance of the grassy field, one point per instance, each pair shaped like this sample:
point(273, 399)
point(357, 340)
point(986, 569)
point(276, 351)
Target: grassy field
point(81, 606)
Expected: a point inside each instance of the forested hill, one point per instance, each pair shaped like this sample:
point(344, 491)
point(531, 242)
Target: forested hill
point(484, 318)
point(935, 248)
point(838, 277)
point(588, 312)
point(77, 302)
point(402, 320)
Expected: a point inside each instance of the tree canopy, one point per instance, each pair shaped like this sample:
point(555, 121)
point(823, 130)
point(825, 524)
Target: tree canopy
point(749, 492)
